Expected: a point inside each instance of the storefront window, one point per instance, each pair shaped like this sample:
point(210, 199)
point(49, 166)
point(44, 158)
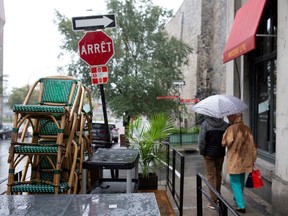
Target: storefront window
point(263, 83)
point(265, 105)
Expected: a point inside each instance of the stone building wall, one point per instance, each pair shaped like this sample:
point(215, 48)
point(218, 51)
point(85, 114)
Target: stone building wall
point(181, 27)
point(211, 70)
point(202, 25)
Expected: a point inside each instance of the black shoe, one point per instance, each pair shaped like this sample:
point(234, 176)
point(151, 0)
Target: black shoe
point(243, 210)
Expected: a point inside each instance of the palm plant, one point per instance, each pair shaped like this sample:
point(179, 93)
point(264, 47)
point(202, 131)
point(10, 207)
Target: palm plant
point(149, 138)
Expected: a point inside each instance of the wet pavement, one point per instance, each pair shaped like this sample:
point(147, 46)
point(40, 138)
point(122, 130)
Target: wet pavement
point(194, 164)
point(4, 152)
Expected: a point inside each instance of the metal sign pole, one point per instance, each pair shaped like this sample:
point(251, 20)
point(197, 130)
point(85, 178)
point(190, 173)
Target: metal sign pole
point(180, 129)
point(101, 86)
point(97, 38)
point(179, 84)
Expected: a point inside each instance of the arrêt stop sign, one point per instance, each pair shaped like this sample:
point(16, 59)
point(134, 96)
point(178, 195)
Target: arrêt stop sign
point(96, 48)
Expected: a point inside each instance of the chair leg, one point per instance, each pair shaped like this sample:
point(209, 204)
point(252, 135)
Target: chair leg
point(73, 166)
point(26, 167)
point(10, 177)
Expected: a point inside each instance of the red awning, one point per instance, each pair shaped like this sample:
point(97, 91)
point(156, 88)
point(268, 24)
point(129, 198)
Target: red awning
point(242, 37)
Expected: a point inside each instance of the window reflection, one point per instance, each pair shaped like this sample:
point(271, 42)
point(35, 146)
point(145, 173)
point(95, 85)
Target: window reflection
point(266, 104)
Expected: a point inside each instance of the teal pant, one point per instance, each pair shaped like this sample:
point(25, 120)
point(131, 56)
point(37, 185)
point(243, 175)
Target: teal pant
point(237, 182)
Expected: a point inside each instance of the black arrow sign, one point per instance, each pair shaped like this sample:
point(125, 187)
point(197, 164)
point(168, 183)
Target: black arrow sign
point(88, 23)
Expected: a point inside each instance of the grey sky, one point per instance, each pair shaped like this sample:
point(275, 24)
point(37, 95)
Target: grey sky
point(31, 39)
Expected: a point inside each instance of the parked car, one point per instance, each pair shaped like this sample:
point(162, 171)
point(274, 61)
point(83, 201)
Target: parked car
point(5, 131)
point(99, 134)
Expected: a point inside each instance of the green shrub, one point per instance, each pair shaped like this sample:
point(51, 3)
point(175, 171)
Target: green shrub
point(194, 129)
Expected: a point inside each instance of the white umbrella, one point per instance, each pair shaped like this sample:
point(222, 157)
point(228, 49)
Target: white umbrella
point(220, 105)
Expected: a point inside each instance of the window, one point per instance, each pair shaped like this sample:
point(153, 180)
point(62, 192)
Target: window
point(263, 83)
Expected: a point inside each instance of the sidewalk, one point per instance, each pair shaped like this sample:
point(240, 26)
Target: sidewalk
point(194, 164)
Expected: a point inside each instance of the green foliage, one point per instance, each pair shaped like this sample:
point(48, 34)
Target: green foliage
point(177, 130)
point(194, 129)
point(146, 59)
point(18, 95)
point(149, 138)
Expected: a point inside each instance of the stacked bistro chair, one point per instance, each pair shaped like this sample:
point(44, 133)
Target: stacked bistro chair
point(84, 134)
point(53, 155)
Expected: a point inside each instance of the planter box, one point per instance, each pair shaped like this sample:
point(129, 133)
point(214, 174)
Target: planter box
point(150, 183)
point(186, 138)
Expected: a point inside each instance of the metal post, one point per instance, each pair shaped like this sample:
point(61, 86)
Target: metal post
point(180, 128)
point(199, 195)
point(173, 171)
point(84, 181)
point(105, 114)
point(182, 185)
point(168, 163)
point(179, 84)
point(129, 181)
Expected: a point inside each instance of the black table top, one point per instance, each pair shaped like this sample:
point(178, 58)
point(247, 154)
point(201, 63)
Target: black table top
point(140, 204)
point(105, 158)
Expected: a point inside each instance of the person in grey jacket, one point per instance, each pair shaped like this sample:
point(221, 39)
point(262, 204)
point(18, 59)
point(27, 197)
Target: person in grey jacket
point(210, 137)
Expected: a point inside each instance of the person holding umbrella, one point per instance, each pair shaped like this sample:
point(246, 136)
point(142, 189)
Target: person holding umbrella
point(241, 156)
point(210, 137)
point(241, 150)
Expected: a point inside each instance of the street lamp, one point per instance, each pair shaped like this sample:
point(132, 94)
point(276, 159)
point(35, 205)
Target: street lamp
point(179, 84)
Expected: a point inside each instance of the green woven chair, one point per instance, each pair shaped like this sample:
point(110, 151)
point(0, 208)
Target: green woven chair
point(54, 123)
point(58, 95)
point(46, 148)
point(42, 180)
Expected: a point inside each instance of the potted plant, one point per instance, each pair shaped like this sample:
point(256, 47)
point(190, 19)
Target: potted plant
point(149, 137)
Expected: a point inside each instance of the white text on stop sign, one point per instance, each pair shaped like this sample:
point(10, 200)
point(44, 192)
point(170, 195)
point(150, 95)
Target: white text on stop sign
point(96, 48)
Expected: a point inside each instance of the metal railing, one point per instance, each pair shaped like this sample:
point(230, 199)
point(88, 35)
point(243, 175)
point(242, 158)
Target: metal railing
point(223, 207)
point(175, 176)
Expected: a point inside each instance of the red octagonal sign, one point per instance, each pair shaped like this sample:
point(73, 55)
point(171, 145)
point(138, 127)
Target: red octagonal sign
point(96, 48)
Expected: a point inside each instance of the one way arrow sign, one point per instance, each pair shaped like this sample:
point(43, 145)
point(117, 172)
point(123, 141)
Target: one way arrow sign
point(89, 23)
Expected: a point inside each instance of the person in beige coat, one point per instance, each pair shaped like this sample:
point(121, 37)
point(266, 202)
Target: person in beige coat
point(241, 156)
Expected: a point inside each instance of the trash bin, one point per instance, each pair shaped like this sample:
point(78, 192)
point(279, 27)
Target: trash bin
point(122, 140)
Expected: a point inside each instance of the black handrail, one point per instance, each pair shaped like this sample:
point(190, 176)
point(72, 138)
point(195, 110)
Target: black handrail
point(223, 207)
point(173, 154)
